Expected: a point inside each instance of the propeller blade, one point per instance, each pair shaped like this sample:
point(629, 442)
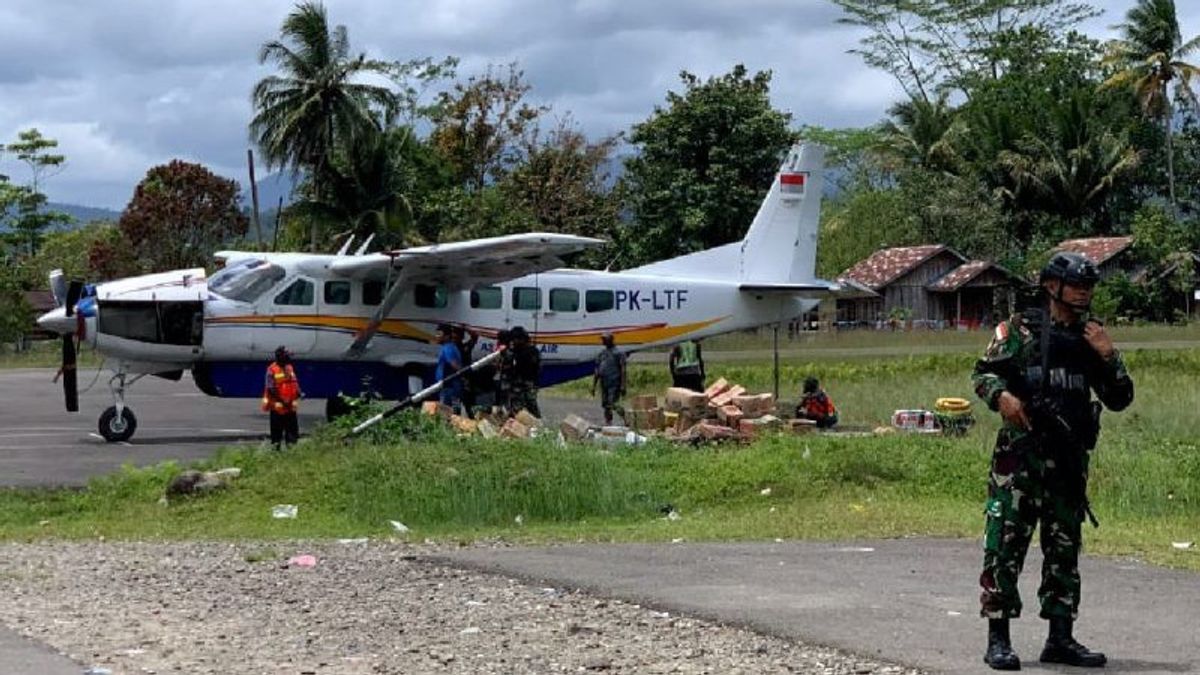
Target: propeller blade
point(74, 291)
point(70, 382)
point(58, 286)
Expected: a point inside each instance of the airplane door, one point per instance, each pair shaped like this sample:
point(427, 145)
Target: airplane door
point(560, 320)
point(526, 305)
point(295, 320)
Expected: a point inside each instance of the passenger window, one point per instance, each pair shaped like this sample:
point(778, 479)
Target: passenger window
point(300, 292)
point(433, 297)
point(598, 301)
point(372, 293)
point(527, 298)
point(337, 292)
point(488, 297)
point(564, 300)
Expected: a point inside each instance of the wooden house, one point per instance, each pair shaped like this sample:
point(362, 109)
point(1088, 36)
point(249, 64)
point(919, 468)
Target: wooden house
point(931, 285)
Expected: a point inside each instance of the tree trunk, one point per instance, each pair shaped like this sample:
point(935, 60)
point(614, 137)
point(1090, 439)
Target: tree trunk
point(1170, 155)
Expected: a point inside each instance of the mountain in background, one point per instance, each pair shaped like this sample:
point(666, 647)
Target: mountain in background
point(270, 189)
point(84, 214)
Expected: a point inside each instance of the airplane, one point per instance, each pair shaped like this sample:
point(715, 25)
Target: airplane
point(363, 323)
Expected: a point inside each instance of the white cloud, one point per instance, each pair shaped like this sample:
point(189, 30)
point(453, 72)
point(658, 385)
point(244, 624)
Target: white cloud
point(126, 85)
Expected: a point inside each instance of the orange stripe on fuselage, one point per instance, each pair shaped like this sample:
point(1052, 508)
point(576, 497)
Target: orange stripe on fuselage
point(400, 328)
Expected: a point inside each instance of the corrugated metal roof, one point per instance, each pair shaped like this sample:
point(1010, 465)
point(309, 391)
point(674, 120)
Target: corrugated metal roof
point(955, 278)
point(889, 264)
point(1098, 249)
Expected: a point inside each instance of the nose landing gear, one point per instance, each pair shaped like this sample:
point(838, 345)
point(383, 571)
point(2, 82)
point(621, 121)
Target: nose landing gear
point(118, 422)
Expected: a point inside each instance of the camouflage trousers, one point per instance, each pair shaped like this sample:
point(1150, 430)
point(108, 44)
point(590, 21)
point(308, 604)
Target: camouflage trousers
point(524, 397)
point(1023, 491)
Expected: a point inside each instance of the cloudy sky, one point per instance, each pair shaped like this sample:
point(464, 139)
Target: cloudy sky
point(127, 85)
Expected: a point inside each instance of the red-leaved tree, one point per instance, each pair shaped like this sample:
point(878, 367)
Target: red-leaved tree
point(179, 215)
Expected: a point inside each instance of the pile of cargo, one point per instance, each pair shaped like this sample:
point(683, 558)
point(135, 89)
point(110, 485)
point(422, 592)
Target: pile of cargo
point(723, 411)
point(521, 425)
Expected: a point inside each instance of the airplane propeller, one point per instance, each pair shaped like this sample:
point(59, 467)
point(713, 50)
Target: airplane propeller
point(70, 380)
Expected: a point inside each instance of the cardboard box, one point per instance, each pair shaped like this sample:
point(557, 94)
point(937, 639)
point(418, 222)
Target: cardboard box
point(714, 432)
point(514, 429)
point(730, 415)
point(801, 426)
point(717, 388)
point(464, 425)
point(646, 420)
point(670, 419)
point(574, 428)
point(726, 397)
point(680, 399)
point(527, 419)
point(758, 425)
point(644, 402)
point(755, 405)
point(487, 429)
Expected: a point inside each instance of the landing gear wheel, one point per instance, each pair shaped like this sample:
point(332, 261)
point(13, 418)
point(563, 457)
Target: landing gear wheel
point(336, 407)
point(117, 429)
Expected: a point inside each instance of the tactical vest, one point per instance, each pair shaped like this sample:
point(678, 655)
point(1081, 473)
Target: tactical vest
point(688, 362)
point(1059, 381)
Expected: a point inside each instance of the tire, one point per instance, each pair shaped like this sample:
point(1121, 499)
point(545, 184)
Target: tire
point(335, 407)
point(117, 430)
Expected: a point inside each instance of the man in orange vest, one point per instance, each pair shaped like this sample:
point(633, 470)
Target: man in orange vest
point(281, 395)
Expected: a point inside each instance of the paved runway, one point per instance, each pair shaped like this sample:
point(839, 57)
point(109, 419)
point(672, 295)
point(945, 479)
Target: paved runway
point(43, 445)
point(912, 601)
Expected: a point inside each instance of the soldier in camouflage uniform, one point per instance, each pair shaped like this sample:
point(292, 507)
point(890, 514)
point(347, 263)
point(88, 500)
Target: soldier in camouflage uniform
point(524, 373)
point(1038, 373)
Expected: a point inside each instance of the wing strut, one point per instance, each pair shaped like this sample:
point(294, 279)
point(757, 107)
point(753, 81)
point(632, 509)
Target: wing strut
point(364, 336)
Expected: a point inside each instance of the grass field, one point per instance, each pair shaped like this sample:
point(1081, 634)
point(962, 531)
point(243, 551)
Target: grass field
point(1145, 483)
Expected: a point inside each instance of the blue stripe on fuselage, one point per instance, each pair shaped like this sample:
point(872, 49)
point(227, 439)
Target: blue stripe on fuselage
point(326, 379)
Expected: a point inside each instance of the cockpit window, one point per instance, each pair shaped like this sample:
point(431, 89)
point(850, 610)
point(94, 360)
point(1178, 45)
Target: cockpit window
point(246, 280)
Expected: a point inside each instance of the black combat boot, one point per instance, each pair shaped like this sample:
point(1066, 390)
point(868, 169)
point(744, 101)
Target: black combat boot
point(1061, 647)
point(1000, 654)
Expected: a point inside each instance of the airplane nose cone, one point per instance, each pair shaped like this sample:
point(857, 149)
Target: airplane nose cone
point(57, 321)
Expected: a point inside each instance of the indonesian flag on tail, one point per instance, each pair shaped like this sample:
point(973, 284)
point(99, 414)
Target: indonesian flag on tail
point(792, 184)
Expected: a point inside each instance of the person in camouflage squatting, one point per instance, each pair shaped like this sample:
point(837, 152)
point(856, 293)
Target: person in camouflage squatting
point(1039, 376)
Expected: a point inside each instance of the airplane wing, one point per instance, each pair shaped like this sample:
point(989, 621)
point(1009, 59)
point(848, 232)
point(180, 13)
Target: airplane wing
point(459, 265)
point(468, 264)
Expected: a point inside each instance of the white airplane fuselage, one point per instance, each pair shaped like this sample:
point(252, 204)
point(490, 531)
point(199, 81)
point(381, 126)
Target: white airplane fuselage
point(365, 323)
point(148, 323)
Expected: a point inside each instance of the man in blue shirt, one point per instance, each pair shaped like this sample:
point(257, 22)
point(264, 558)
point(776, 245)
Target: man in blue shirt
point(449, 362)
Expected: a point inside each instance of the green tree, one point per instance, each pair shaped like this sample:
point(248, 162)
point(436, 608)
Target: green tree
point(479, 127)
point(365, 189)
point(1149, 58)
point(316, 105)
point(71, 251)
point(179, 215)
point(564, 182)
point(30, 220)
point(930, 46)
point(703, 165)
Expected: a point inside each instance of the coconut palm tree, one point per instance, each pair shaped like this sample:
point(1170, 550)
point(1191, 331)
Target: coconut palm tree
point(1149, 58)
point(314, 104)
point(1070, 169)
point(917, 132)
point(365, 189)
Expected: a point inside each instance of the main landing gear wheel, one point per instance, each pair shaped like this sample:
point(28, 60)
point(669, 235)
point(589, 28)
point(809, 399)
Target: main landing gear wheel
point(116, 428)
point(336, 407)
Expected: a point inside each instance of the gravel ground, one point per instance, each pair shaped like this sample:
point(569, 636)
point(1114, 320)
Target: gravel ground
point(363, 608)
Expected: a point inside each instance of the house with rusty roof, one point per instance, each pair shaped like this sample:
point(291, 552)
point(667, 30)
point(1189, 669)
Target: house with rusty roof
point(930, 285)
point(1111, 254)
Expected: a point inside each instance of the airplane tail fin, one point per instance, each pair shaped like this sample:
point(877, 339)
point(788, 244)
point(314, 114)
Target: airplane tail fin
point(781, 245)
